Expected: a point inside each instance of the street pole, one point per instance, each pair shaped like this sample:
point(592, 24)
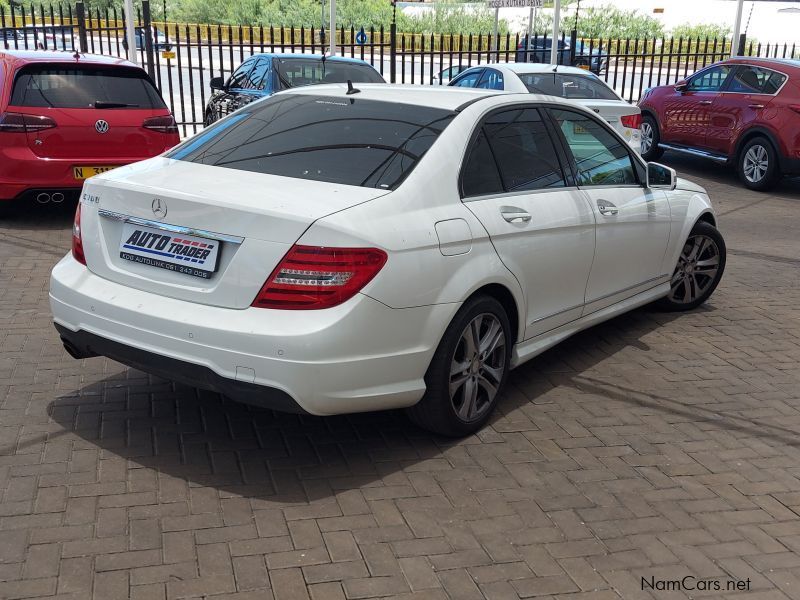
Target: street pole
point(130, 33)
point(737, 28)
point(556, 25)
point(530, 33)
point(495, 45)
point(332, 29)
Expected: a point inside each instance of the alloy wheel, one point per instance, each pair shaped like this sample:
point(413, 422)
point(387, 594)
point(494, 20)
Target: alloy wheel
point(477, 367)
point(756, 163)
point(647, 137)
point(696, 270)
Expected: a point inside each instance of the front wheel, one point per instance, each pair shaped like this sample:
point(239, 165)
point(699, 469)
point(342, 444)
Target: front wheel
point(758, 164)
point(699, 269)
point(468, 370)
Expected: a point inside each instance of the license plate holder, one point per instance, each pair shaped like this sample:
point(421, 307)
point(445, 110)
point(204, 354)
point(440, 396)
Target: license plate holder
point(177, 252)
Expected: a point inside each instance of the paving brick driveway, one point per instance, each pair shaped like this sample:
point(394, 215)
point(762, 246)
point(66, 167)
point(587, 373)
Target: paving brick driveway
point(654, 446)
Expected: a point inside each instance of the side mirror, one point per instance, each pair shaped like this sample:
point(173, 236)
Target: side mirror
point(660, 177)
point(681, 86)
point(217, 83)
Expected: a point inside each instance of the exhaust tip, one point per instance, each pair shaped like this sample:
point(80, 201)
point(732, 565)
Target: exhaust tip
point(58, 197)
point(43, 198)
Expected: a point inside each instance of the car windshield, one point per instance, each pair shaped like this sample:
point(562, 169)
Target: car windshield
point(85, 86)
point(350, 141)
point(567, 86)
point(297, 72)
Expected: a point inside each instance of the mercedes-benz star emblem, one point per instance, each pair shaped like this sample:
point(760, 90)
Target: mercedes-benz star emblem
point(101, 126)
point(159, 208)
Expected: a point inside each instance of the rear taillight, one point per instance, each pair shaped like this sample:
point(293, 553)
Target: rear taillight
point(77, 240)
point(19, 123)
point(311, 277)
point(161, 124)
point(631, 121)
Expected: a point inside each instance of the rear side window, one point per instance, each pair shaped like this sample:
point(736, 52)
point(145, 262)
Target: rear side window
point(84, 87)
point(350, 141)
point(754, 80)
point(297, 72)
point(567, 86)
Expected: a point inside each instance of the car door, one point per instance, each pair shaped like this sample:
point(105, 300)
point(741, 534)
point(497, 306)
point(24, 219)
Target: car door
point(633, 221)
point(513, 180)
point(742, 102)
point(687, 111)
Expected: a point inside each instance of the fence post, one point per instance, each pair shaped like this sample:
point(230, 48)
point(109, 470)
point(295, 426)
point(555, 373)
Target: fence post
point(392, 53)
point(147, 25)
point(742, 42)
point(573, 41)
point(80, 14)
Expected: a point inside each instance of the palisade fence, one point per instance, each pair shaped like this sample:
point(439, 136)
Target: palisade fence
point(182, 58)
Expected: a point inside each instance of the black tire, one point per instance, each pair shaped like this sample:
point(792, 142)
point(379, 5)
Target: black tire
point(654, 152)
point(693, 277)
point(209, 118)
point(437, 412)
point(752, 155)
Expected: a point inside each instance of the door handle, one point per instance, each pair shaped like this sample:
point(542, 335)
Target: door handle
point(512, 214)
point(756, 106)
point(607, 208)
point(706, 102)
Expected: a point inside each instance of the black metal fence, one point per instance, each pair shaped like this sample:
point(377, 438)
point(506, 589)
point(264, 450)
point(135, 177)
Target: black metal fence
point(182, 58)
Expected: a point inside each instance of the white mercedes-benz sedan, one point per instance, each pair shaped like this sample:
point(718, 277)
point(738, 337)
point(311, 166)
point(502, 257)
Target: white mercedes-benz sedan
point(331, 250)
point(572, 83)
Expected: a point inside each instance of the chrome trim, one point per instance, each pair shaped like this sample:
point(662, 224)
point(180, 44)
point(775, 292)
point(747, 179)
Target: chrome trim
point(211, 235)
point(694, 152)
point(555, 314)
point(628, 289)
point(516, 193)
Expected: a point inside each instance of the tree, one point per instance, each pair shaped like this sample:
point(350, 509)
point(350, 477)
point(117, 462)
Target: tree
point(701, 31)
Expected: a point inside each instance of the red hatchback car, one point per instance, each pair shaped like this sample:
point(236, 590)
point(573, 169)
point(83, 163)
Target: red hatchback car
point(65, 117)
point(743, 111)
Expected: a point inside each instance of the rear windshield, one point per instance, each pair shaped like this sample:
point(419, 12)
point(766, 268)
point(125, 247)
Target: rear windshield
point(297, 72)
point(86, 86)
point(567, 86)
point(350, 141)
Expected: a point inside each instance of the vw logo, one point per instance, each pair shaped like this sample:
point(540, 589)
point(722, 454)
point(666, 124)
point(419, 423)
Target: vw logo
point(159, 208)
point(101, 126)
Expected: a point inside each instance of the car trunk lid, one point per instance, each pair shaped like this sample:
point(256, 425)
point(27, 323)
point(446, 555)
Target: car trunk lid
point(249, 220)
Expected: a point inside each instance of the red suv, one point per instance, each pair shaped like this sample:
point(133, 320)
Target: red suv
point(65, 117)
point(742, 111)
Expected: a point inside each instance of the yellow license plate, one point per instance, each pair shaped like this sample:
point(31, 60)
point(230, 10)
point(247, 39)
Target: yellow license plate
point(584, 67)
point(578, 129)
point(86, 172)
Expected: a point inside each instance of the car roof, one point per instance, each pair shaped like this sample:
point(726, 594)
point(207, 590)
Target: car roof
point(22, 57)
point(312, 57)
point(446, 98)
point(774, 62)
point(541, 68)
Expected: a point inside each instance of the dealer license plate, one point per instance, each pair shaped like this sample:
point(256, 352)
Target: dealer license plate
point(181, 253)
point(86, 172)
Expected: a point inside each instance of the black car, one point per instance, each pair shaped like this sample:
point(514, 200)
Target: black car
point(591, 59)
point(262, 75)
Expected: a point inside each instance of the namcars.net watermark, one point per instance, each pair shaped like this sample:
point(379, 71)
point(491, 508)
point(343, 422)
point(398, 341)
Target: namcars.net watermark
point(690, 583)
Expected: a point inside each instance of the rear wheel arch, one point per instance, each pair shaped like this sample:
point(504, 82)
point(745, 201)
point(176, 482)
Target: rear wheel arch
point(504, 296)
point(755, 132)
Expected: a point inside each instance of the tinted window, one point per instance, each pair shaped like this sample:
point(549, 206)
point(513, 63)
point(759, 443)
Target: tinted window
point(753, 80)
point(350, 141)
point(82, 87)
point(297, 72)
point(523, 150)
point(468, 79)
point(479, 175)
point(710, 80)
point(491, 80)
point(601, 158)
point(239, 77)
point(567, 86)
point(256, 79)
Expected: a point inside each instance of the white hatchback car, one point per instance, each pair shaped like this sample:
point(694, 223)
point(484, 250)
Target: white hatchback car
point(571, 83)
point(330, 251)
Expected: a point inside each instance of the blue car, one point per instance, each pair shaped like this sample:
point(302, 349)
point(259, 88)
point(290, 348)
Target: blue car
point(262, 75)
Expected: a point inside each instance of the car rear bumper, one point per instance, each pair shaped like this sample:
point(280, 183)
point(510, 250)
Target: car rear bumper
point(359, 356)
point(22, 171)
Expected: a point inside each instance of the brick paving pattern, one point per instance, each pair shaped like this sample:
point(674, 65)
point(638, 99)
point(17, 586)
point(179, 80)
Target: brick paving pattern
point(653, 446)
